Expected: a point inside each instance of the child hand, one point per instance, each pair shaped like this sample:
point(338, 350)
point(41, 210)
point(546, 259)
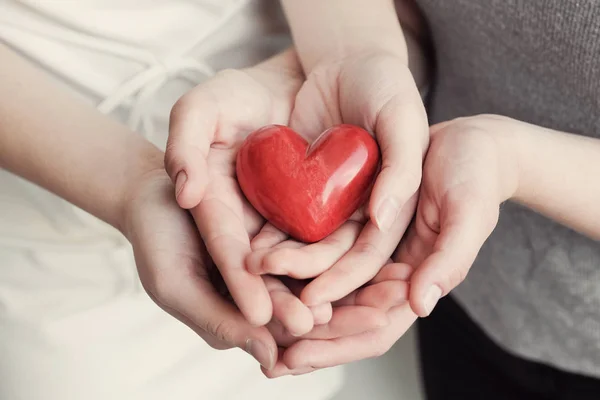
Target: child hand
point(373, 89)
point(470, 169)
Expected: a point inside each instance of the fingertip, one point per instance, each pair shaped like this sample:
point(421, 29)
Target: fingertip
point(260, 317)
point(423, 296)
point(311, 297)
point(292, 357)
point(254, 261)
point(260, 312)
point(263, 351)
point(276, 262)
point(322, 314)
point(294, 316)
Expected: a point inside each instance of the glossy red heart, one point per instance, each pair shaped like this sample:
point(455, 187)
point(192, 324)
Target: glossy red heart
point(307, 191)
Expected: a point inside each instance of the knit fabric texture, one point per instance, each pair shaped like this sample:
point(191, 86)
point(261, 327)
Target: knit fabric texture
point(535, 286)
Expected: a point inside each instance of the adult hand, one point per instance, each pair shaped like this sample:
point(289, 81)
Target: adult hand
point(175, 269)
point(208, 125)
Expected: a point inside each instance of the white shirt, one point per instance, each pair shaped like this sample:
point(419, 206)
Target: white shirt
point(74, 320)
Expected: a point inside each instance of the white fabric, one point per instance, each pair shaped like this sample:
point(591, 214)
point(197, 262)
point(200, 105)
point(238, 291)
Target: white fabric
point(74, 321)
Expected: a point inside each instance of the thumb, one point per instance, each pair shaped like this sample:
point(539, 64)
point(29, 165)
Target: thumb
point(187, 149)
point(402, 133)
point(466, 226)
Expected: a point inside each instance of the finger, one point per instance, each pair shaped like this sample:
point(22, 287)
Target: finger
point(219, 217)
point(418, 242)
point(346, 321)
point(192, 124)
point(215, 112)
point(349, 320)
point(343, 350)
point(467, 223)
point(195, 302)
point(367, 256)
point(280, 369)
point(255, 260)
point(268, 237)
point(322, 313)
point(402, 132)
point(392, 272)
point(383, 295)
point(294, 316)
point(307, 261)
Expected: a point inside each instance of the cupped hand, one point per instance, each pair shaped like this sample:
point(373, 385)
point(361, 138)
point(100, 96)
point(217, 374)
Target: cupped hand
point(374, 90)
point(364, 324)
point(208, 125)
point(179, 275)
point(469, 170)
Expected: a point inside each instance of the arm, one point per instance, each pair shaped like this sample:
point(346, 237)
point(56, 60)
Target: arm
point(473, 165)
point(559, 176)
point(325, 31)
point(59, 143)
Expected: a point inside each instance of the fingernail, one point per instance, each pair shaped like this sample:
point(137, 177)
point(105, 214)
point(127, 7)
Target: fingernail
point(387, 214)
point(432, 296)
point(180, 182)
point(295, 334)
point(261, 353)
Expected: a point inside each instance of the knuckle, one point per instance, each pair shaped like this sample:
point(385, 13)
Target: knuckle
point(369, 250)
point(411, 179)
point(456, 277)
point(409, 175)
point(172, 160)
point(162, 291)
point(182, 108)
point(223, 330)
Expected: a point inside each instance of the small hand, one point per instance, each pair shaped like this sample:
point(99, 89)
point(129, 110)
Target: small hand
point(374, 90)
point(468, 172)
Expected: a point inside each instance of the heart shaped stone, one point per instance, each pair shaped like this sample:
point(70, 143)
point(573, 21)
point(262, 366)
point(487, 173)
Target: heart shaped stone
point(307, 190)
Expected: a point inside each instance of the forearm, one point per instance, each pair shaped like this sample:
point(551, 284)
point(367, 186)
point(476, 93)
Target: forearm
point(326, 31)
point(333, 28)
point(65, 146)
point(559, 176)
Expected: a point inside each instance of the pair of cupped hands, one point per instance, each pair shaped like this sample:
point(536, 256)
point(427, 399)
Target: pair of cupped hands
point(300, 307)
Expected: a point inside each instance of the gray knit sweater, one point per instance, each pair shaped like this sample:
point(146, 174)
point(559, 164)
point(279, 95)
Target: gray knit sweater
point(535, 287)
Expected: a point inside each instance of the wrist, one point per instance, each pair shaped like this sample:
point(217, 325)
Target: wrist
point(506, 134)
point(327, 31)
point(147, 165)
point(370, 43)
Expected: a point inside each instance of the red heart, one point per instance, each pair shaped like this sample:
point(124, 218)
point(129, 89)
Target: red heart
point(307, 191)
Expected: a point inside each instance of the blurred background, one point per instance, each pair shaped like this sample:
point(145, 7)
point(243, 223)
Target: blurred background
point(394, 376)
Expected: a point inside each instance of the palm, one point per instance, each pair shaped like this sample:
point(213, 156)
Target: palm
point(352, 92)
point(173, 266)
point(232, 105)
